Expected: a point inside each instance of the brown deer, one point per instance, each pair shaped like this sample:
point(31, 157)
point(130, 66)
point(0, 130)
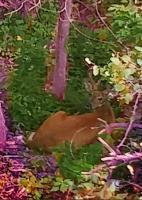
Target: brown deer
point(77, 129)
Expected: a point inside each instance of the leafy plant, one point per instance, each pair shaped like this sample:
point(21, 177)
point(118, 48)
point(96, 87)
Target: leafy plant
point(72, 162)
point(126, 24)
point(62, 185)
point(33, 185)
point(124, 73)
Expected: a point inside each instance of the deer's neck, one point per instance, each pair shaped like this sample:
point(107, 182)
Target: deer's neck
point(105, 112)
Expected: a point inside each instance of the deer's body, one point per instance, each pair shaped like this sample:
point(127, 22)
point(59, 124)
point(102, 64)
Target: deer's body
point(77, 129)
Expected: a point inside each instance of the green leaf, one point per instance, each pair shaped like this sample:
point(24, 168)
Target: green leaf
point(115, 61)
point(88, 185)
point(136, 87)
point(124, 1)
point(128, 98)
point(38, 195)
point(57, 184)
point(59, 179)
point(64, 187)
point(126, 58)
point(95, 178)
point(55, 189)
point(139, 62)
point(127, 72)
point(69, 182)
point(119, 87)
point(138, 48)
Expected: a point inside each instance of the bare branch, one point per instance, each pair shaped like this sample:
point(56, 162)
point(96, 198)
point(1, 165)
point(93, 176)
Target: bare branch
point(132, 119)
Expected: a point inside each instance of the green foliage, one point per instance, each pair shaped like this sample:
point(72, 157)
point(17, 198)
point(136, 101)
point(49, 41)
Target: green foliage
point(33, 185)
point(126, 24)
point(124, 73)
point(18, 34)
point(72, 162)
point(62, 185)
point(94, 48)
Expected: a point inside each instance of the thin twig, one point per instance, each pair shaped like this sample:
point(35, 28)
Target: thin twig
point(132, 119)
point(38, 4)
point(126, 158)
point(86, 36)
point(97, 168)
point(109, 29)
point(14, 11)
point(124, 125)
point(106, 146)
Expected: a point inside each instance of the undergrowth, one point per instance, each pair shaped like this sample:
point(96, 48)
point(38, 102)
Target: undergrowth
point(73, 162)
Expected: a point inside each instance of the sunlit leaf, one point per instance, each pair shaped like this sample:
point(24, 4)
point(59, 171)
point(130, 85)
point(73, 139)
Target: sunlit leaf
point(115, 61)
point(19, 38)
point(136, 87)
point(119, 87)
point(95, 70)
point(59, 179)
point(124, 1)
point(64, 187)
point(139, 62)
point(107, 73)
point(54, 189)
point(128, 98)
point(57, 184)
point(138, 48)
point(69, 182)
point(88, 185)
point(126, 58)
point(127, 72)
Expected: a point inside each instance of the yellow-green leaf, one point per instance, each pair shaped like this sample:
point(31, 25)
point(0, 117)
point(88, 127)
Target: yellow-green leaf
point(127, 72)
point(115, 61)
point(119, 87)
point(126, 58)
point(138, 48)
point(139, 62)
point(128, 98)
